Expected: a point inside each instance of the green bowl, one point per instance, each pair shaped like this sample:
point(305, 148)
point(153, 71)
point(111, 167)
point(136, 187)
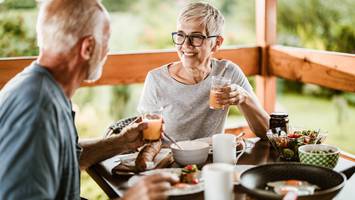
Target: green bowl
point(319, 154)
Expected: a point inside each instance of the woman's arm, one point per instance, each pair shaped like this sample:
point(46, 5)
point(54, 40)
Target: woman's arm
point(256, 116)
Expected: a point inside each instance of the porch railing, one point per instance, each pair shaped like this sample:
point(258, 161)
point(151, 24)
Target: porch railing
point(266, 60)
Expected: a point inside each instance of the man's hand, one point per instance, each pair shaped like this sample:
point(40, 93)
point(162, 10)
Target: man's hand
point(152, 187)
point(132, 135)
point(96, 150)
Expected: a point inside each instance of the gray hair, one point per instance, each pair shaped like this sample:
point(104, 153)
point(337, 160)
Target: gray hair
point(62, 23)
point(206, 14)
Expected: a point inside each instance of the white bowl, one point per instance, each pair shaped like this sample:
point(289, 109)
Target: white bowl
point(193, 152)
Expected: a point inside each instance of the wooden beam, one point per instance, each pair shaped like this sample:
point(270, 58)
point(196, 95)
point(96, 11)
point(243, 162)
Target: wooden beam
point(342, 61)
point(265, 36)
point(127, 68)
point(328, 69)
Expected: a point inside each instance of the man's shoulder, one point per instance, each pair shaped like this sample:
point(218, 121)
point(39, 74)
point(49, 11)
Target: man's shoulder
point(24, 96)
point(26, 86)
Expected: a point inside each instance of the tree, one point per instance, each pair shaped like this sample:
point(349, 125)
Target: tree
point(15, 38)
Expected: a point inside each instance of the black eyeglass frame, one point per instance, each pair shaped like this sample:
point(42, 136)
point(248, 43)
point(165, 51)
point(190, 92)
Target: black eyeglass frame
point(190, 39)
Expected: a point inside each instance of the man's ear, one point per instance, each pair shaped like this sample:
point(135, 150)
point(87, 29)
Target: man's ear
point(218, 44)
point(87, 47)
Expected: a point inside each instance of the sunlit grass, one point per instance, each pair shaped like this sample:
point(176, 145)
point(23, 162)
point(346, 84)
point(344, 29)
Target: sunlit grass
point(312, 112)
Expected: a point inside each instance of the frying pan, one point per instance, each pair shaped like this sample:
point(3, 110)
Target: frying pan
point(254, 180)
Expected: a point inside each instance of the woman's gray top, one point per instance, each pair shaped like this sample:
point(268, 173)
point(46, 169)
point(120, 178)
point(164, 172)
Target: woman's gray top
point(186, 111)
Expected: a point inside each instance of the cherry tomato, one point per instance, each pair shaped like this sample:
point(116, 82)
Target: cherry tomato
point(294, 135)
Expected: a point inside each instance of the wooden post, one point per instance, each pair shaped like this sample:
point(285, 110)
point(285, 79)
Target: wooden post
point(266, 36)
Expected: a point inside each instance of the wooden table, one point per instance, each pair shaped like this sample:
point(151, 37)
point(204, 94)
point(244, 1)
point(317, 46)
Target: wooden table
point(261, 153)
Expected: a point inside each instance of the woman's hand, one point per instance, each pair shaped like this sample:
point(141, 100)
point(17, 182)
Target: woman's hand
point(152, 187)
point(232, 95)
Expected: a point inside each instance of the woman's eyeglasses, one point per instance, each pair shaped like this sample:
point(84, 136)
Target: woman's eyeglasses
point(195, 40)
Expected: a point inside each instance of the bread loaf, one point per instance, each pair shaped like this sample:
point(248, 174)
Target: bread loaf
point(147, 155)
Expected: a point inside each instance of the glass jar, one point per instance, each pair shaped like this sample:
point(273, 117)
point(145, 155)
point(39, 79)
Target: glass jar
point(279, 120)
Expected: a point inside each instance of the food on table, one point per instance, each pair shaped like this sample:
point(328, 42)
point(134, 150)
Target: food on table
point(189, 174)
point(287, 143)
point(321, 151)
point(146, 156)
point(299, 187)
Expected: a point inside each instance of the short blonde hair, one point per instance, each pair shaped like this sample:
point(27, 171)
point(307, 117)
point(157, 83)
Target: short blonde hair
point(62, 23)
point(206, 14)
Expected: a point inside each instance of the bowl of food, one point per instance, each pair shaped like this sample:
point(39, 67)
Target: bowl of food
point(319, 154)
point(190, 152)
point(287, 144)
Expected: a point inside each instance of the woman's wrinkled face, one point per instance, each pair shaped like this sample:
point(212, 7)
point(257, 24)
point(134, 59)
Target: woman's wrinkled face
point(189, 55)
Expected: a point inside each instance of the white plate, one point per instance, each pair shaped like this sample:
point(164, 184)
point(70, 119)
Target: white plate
point(129, 160)
point(190, 189)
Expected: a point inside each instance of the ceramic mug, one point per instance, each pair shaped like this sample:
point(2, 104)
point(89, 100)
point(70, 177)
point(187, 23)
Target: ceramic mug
point(224, 147)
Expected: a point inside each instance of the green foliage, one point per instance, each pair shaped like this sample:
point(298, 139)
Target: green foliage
point(19, 4)
point(119, 99)
point(84, 97)
point(15, 38)
point(287, 86)
point(319, 24)
point(118, 5)
point(350, 98)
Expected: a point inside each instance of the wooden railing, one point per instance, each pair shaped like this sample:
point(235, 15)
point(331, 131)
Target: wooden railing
point(128, 68)
point(266, 60)
point(329, 69)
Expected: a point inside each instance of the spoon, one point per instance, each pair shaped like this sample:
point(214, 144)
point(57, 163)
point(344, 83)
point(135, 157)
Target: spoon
point(172, 140)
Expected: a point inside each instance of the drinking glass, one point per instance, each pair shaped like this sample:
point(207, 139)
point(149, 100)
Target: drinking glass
point(154, 120)
point(218, 178)
point(219, 85)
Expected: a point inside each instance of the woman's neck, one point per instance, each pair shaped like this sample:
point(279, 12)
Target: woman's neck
point(190, 75)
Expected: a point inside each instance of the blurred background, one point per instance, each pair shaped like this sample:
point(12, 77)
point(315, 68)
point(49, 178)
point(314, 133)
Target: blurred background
point(143, 25)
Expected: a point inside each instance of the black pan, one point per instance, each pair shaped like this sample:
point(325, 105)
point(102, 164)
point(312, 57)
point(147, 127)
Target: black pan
point(253, 181)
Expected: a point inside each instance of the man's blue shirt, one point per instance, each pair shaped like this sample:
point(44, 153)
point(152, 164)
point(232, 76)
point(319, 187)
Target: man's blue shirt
point(39, 151)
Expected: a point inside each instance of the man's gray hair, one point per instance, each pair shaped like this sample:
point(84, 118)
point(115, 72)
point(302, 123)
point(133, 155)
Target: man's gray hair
point(62, 23)
point(204, 13)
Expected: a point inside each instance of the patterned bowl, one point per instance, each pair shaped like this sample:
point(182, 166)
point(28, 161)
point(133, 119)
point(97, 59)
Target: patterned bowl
point(319, 154)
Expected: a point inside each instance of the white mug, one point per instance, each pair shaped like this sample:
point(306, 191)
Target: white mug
point(224, 147)
point(218, 181)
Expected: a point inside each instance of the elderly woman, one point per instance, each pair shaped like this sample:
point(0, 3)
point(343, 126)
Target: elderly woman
point(182, 88)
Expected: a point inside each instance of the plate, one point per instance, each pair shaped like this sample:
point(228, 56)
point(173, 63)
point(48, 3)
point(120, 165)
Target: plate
point(190, 189)
point(125, 163)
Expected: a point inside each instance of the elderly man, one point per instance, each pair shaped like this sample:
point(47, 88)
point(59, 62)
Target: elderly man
point(39, 148)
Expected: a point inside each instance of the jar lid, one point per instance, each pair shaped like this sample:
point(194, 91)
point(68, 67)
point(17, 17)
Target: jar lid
point(279, 114)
